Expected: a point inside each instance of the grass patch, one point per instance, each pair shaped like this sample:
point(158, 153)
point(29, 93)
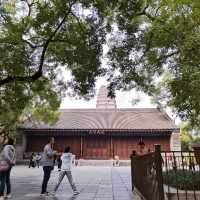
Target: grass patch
point(184, 180)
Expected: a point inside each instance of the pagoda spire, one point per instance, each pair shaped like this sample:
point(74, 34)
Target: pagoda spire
point(103, 101)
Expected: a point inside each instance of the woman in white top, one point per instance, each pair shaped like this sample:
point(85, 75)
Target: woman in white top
point(67, 159)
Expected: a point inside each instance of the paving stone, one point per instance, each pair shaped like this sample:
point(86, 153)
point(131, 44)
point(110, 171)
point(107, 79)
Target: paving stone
point(94, 183)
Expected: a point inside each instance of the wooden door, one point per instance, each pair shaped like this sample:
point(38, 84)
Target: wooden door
point(37, 143)
point(73, 142)
point(96, 147)
point(123, 147)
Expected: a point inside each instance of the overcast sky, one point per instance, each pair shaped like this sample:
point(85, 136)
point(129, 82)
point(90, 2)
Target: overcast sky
point(123, 99)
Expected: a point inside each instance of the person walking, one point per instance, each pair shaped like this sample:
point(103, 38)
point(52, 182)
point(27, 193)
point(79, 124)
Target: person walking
point(37, 160)
point(66, 158)
point(48, 164)
point(31, 161)
point(7, 161)
point(59, 162)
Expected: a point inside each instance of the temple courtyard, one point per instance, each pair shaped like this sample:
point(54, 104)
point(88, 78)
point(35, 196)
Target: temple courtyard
point(93, 182)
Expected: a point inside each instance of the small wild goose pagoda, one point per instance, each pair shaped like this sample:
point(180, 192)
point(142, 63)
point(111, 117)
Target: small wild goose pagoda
point(102, 132)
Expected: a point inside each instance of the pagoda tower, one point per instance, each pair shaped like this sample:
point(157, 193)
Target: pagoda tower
point(103, 101)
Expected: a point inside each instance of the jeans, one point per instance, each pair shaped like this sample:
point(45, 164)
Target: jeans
point(31, 164)
point(70, 179)
point(5, 181)
point(38, 163)
point(47, 173)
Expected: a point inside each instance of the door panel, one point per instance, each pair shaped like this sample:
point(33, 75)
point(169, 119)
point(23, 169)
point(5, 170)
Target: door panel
point(36, 144)
point(96, 148)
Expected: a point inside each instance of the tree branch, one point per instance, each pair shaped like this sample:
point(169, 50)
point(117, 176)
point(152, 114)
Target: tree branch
point(29, 6)
point(49, 40)
point(62, 40)
point(33, 46)
point(145, 13)
point(79, 23)
point(39, 72)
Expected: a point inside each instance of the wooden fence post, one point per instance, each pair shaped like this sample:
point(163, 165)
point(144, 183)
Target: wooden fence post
point(132, 168)
point(159, 175)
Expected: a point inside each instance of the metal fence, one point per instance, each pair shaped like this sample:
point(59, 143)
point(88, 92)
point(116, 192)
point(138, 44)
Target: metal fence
point(147, 175)
point(181, 174)
point(166, 175)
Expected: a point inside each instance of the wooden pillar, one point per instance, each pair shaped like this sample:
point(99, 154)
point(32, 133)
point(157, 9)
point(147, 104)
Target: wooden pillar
point(111, 148)
point(81, 146)
point(19, 144)
point(24, 144)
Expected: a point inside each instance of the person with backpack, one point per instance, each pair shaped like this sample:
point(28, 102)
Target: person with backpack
point(7, 161)
point(67, 159)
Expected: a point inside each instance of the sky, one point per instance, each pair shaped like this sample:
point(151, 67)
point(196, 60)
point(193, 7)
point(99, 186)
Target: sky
point(123, 99)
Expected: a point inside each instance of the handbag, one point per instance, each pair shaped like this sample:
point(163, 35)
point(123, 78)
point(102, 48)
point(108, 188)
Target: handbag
point(4, 166)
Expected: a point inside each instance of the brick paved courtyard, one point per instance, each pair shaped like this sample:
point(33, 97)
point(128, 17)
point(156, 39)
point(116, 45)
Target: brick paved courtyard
point(94, 183)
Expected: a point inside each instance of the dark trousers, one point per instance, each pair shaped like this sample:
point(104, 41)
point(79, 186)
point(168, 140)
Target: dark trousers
point(47, 173)
point(38, 163)
point(59, 164)
point(31, 164)
point(5, 181)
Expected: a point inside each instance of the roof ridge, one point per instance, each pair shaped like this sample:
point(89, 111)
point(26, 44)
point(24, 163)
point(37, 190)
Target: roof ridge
point(110, 109)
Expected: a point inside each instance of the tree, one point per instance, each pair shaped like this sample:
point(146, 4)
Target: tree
point(39, 39)
point(187, 136)
point(147, 38)
point(39, 106)
point(153, 37)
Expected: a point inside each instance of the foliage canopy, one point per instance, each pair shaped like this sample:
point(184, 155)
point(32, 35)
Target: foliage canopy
point(153, 46)
point(158, 51)
point(39, 39)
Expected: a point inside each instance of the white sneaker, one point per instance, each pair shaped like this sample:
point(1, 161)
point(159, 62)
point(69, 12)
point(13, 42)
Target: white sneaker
point(8, 196)
point(43, 194)
point(76, 192)
point(53, 193)
point(2, 198)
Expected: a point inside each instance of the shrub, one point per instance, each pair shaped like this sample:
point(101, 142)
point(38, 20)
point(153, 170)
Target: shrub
point(182, 179)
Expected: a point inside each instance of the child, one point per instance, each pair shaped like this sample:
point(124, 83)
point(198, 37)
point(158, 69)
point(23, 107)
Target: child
point(66, 158)
point(32, 160)
point(37, 159)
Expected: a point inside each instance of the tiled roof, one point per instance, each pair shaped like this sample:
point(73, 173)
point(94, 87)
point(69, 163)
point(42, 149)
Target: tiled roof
point(133, 119)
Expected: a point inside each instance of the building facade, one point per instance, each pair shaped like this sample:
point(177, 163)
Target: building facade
point(103, 132)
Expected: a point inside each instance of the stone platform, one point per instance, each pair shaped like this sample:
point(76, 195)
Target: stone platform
point(83, 162)
point(94, 183)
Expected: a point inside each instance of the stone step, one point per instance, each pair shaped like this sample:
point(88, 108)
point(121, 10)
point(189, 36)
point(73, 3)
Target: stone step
point(83, 162)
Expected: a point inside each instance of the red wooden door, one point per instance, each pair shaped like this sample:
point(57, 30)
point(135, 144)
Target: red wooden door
point(96, 148)
point(123, 146)
point(36, 144)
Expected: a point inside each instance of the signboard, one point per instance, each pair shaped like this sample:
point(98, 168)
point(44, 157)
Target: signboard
point(96, 132)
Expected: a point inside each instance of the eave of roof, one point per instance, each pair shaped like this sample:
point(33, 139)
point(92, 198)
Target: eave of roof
point(137, 119)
